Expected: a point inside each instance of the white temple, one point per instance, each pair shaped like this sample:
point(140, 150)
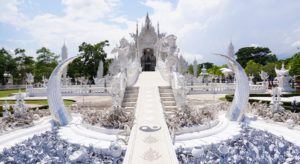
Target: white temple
point(149, 51)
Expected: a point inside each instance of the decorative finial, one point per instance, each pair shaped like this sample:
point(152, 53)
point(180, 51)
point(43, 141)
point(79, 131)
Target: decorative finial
point(137, 28)
point(158, 29)
point(147, 21)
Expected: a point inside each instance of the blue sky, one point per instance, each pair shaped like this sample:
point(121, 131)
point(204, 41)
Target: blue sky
point(203, 27)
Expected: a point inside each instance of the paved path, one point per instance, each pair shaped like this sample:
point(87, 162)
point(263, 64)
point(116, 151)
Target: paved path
point(150, 141)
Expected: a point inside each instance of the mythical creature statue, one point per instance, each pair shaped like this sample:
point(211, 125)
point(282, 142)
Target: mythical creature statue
point(283, 79)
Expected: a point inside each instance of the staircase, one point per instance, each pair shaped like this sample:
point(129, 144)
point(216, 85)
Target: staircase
point(130, 98)
point(167, 99)
point(150, 141)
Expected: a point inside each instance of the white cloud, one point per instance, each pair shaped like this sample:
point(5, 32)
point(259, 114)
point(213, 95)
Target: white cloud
point(207, 26)
point(84, 21)
point(91, 9)
point(202, 26)
point(254, 45)
point(296, 44)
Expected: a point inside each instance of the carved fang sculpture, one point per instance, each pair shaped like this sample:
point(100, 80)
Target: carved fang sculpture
point(55, 101)
point(241, 94)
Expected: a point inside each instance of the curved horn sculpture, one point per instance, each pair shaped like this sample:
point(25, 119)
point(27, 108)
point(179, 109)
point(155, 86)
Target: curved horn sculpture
point(55, 101)
point(241, 94)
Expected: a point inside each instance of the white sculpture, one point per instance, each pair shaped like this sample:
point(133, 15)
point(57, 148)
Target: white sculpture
point(264, 76)
point(204, 75)
point(100, 70)
point(19, 107)
point(195, 68)
point(30, 78)
point(179, 90)
point(241, 95)
point(276, 100)
point(29, 81)
point(55, 101)
point(5, 108)
point(251, 77)
point(45, 81)
point(283, 79)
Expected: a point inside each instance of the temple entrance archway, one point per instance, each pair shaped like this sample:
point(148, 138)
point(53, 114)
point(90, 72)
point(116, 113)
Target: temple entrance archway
point(148, 60)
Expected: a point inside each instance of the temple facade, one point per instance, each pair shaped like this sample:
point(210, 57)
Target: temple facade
point(147, 43)
point(149, 50)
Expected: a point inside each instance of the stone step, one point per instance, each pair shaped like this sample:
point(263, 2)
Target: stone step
point(170, 113)
point(131, 93)
point(167, 99)
point(165, 91)
point(129, 109)
point(169, 103)
point(130, 96)
point(170, 108)
point(164, 87)
point(166, 95)
point(132, 89)
point(130, 99)
point(128, 104)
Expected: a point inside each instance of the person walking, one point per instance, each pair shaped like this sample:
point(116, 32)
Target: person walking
point(294, 105)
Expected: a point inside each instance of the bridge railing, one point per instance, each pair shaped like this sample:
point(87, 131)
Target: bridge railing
point(221, 88)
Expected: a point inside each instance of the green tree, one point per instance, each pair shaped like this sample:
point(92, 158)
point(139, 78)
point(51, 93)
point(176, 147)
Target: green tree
point(260, 55)
point(45, 64)
point(7, 64)
point(270, 69)
point(253, 68)
point(215, 70)
point(295, 65)
point(87, 65)
point(190, 69)
point(25, 64)
point(207, 65)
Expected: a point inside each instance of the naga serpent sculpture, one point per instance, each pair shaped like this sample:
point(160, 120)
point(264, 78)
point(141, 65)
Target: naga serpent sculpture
point(241, 94)
point(55, 100)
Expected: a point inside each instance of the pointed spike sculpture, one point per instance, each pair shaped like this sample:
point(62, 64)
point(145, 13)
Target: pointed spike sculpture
point(241, 95)
point(55, 101)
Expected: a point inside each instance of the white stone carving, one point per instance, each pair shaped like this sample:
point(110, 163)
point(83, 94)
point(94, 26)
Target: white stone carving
point(100, 70)
point(55, 101)
point(195, 68)
point(5, 108)
point(283, 79)
point(241, 95)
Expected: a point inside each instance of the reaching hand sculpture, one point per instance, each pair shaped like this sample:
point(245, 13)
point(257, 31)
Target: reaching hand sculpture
point(55, 101)
point(241, 95)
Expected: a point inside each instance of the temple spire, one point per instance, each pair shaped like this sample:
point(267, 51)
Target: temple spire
point(158, 29)
point(147, 21)
point(137, 35)
point(231, 50)
point(137, 29)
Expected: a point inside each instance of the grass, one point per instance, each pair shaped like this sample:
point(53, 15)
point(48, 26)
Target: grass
point(39, 102)
point(223, 98)
point(9, 92)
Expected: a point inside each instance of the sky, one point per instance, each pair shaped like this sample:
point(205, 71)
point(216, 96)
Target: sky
point(202, 27)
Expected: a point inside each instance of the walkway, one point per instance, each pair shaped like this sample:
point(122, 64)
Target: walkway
point(150, 141)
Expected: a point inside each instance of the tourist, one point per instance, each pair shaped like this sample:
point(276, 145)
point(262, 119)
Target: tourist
point(294, 104)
